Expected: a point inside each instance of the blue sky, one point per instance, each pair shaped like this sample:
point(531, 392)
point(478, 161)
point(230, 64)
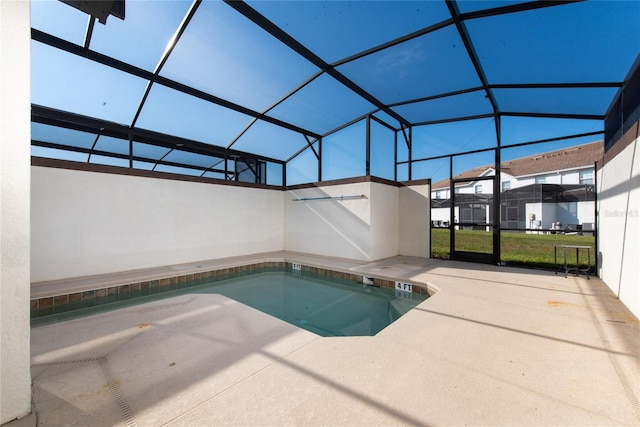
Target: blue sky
point(225, 55)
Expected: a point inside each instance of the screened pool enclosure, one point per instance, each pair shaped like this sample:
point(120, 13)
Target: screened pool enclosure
point(281, 93)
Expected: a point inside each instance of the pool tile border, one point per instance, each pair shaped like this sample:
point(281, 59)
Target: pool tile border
point(57, 304)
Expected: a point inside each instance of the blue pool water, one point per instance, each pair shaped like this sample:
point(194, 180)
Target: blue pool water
point(323, 305)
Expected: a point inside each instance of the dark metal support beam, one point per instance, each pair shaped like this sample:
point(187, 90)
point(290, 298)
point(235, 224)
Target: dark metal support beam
point(473, 55)
point(588, 85)
point(91, 21)
point(275, 104)
point(395, 157)
point(383, 123)
point(519, 7)
point(452, 216)
point(50, 116)
point(522, 144)
point(470, 15)
point(284, 174)
point(444, 156)
point(410, 145)
point(553, 115)
point(165, 56)
point(130, 151)
point(310, 145)
point(399, 40)
point(496, 203)
point(162, 159)
point(320, 160)
point(407, 139)
point(456, 119)
point(367, 150)
point(300, 151)
point(344, 126)
point(69, 47)
point(90, 152)
point(441, 95)
point(253, 15)
point(93, 147)
point(559, 138)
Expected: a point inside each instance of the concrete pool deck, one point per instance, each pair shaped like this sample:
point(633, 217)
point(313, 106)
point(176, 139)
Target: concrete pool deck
point(494, 346)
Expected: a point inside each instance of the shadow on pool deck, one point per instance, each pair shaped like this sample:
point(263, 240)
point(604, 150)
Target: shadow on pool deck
point(494, 346)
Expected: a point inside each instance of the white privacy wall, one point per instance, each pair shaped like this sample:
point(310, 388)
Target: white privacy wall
point(387, 221)
point(414, 218)
point(330, 227)
point(619, 225)
point(86, 223)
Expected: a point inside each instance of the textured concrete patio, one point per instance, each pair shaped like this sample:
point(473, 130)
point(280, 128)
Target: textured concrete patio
point(493, 346)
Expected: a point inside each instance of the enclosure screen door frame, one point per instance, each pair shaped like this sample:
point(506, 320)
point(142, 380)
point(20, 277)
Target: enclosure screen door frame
point(491, 223)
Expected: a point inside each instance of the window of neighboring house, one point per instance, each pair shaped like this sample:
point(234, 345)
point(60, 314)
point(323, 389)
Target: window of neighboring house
point(478, 189)
point(457, 189)
point(506, 185)
point(439, 194)
point(586, 177)
point(540, 179)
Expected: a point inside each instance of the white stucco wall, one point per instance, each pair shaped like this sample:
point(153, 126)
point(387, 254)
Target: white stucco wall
point(440, 214)
point(385, 220)
point(15, 375)
point(340, 228)
point(619, 225)
point(366, 229)
point(586, 212)
point(565, 212)
point(414, 221)
point(86, 223)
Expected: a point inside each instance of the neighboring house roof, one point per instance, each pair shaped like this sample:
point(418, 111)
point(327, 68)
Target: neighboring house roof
point(566, 158)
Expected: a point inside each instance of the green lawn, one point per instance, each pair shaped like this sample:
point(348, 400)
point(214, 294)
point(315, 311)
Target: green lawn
point(527, 250)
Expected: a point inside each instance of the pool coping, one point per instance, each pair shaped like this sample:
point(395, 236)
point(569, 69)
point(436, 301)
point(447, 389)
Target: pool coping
point(66, 295)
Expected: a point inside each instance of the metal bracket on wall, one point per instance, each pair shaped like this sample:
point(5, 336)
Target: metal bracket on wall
point(304, 199)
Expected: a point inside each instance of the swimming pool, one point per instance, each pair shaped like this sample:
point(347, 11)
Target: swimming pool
point(325, 307)
point(321, 301)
